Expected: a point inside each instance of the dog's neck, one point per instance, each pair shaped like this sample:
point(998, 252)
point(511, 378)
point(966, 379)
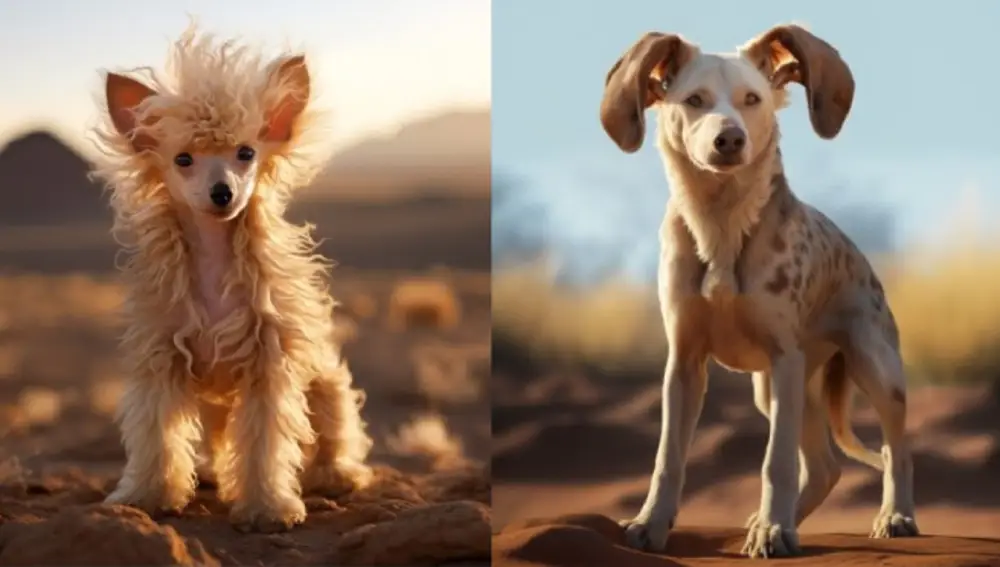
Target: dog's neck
point(720, 210)
point(210, 244)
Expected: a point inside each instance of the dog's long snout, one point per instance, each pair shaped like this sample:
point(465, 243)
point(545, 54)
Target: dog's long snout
point(730, 141)
point(221, 195)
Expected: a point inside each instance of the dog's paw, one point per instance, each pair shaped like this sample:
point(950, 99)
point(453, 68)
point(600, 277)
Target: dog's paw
point(894, 524)
point(647, 534)
point(156, 503)
point(254, 517)
point(333, 480)
point(766, 540)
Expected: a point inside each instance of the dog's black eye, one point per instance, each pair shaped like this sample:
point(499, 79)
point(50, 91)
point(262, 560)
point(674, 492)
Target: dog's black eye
point(245, 153)
point(694, 101)
point(183, 160)
point(751, 99)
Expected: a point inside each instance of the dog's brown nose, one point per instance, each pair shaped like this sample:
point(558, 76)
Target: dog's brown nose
point(730, 141)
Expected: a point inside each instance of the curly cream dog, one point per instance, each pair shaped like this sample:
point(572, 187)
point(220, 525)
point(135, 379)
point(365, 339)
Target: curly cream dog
point(758, 280)
point(229, 336)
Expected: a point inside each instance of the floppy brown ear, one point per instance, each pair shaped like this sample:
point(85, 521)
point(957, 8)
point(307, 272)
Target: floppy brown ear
point(630, 86)
point(291, 78)
point(789, 53)
point(123, 95)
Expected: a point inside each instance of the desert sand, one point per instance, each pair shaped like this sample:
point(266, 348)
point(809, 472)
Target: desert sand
point(573, 448)
point(412, 277)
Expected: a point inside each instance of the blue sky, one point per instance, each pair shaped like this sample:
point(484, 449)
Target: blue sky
point(377, 63)
point(921, 138)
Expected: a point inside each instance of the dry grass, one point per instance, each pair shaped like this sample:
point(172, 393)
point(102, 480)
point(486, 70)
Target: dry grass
point(614, 325)
point(948, 311)
point(423, 302)
point(427, 436)
point(449, 373)
point(947, 305)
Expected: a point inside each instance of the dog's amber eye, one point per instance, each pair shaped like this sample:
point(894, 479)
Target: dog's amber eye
point(751, 99)
point(694, 101)
point(183, 160)
point(245, 153)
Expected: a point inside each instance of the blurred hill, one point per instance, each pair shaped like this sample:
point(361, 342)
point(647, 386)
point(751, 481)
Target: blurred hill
point(413, 200)
point(43, 181)
point(447, 154)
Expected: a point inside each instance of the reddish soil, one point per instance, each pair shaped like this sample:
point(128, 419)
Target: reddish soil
point(573, 449)
point(578, 541)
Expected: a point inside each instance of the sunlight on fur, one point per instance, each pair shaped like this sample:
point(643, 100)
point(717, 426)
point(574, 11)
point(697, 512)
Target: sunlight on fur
point(244, 363)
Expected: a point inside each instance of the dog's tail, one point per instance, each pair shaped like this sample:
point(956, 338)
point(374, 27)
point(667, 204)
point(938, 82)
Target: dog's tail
point(839, 394)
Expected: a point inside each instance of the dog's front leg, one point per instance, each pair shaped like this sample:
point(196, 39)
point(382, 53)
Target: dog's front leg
point(268, 428)
point(684, 385)
point(160, 430)
point(774, 533)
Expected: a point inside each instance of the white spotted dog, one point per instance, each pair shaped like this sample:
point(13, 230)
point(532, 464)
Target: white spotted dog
point(760, 281)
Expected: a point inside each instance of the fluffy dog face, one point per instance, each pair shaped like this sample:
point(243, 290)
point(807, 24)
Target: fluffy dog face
point(719, 109)
point(213, 135)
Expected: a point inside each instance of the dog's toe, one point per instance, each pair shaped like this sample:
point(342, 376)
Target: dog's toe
point(646, 535)
point(156, 504)
point(894, 525)
point(770, 540)
point(247, 518)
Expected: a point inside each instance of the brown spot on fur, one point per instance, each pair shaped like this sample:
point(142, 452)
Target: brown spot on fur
point(779, 244)
point(875, 284)
point(797, 282)
point(780, 281)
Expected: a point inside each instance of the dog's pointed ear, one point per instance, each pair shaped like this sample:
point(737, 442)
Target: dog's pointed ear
point(123, 96)
point(789, 53)
point(290, 83)
point(636, 81)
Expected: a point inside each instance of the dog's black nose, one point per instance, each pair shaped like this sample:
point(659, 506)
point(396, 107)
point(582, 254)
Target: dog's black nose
point(730, 141)
point(221, 194)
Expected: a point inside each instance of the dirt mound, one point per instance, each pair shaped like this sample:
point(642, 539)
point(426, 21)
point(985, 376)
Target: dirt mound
point(98, 535)
point(401, 519)
point(577, 541)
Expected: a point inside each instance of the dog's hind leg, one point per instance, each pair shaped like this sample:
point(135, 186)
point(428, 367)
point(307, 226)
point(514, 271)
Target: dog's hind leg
point(877, 370)
point(160, 431)
point(342, 445)
point(819, 469)
point(213, 446)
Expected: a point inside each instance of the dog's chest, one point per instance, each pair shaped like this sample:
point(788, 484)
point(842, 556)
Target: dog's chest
point(736, 339)
point(212, 296)
point(221, 327)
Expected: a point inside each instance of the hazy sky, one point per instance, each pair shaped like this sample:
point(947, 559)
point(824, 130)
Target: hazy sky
point(376, 62)
point(922, 133)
